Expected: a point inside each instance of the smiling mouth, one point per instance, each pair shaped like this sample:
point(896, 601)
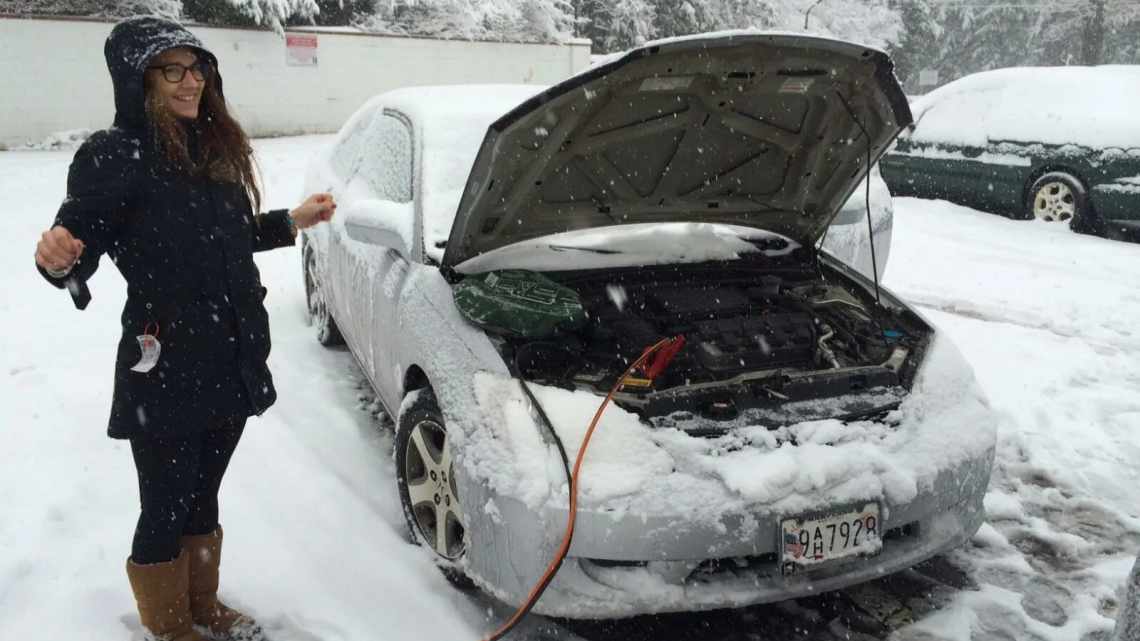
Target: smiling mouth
point(186, 99)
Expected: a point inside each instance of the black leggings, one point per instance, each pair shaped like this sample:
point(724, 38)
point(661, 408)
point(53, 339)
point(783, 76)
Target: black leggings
point(179, 481)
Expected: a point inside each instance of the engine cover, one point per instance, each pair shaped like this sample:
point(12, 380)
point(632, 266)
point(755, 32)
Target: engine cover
point(755, 342)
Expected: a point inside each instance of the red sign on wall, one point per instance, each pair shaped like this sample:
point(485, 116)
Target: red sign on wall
point(301, 51)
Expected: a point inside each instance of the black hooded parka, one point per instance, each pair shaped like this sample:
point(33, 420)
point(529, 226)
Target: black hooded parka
point(184, 245)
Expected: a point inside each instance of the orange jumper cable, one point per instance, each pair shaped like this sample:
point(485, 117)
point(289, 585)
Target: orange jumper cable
point(563, 549)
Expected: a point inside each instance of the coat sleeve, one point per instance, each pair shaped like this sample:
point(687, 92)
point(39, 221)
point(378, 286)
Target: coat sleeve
point(272, 230)
point(100, 182)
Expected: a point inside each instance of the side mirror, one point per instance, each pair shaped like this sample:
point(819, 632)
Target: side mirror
point(383, 223)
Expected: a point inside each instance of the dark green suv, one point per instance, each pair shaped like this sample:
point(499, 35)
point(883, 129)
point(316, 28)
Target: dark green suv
point(1059, 144)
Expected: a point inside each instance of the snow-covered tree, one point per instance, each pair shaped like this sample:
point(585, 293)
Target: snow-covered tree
point(522, 20)
point(275, 13)
point(872, 22)
point(957, 39)
point(617, 25)
point(620, 24)
point(98, 8)
point(338, 13)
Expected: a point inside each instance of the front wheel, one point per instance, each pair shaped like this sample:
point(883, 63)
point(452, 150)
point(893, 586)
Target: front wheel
point(1059, 197)
point(425, 476)
point(319, 315)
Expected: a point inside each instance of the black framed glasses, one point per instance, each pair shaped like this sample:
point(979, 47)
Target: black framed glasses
point(175, 72)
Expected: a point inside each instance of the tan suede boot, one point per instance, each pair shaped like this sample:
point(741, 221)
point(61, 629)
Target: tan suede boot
point(161, 591)
point(205, 556)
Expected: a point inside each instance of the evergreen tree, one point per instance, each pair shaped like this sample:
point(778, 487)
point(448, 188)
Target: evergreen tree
point(591, 19)
point(216, 12)
point(616, 26)
point(682, 17)
point(959, 39)
point(276, 13)
point(95, 8)
point(517, 20)
point(336, 13)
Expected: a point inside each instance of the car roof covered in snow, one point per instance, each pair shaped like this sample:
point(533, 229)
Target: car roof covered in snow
point(1087, 106)
point(451, 122)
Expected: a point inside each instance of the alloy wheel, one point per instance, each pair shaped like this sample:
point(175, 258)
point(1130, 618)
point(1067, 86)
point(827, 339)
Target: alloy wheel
point(432, 491)
point(1055, 202)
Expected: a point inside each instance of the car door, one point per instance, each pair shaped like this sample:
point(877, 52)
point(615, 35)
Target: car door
point(385, 176)
point(339, 265)
point(933, 168)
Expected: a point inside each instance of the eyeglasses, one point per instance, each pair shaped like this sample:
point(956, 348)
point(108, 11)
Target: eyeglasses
point(175, 72)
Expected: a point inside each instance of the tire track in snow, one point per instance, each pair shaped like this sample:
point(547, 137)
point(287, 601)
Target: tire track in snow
point(991, 314)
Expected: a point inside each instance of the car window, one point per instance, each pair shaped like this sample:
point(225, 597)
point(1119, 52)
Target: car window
point(348, 150)
point(387, 162)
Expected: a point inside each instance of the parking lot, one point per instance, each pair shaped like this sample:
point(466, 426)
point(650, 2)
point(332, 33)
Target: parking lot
point(1047, 318)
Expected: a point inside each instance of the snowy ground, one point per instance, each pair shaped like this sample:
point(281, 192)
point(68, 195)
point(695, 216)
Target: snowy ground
point(315, 545)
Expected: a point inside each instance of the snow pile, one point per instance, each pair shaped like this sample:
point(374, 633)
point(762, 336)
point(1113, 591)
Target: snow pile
point(622, 457)
point(61, 140)
point(1087, 106)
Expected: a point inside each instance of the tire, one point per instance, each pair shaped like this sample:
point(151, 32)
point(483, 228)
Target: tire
point(1060, 197)
point(328, 334)
point(424, 469)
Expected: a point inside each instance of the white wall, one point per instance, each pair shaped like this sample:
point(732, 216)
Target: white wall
point(53, 76)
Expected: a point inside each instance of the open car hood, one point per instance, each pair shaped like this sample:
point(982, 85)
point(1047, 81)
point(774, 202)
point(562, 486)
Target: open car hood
point(770, 131)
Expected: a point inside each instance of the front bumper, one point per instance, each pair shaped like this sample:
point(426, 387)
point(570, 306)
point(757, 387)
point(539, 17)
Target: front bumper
point(698, 528)
point(638, 564)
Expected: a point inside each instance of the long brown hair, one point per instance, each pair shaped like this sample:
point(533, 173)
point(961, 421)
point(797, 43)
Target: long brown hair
point(224, 153)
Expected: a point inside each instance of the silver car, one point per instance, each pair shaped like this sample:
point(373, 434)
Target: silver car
point(503, 254)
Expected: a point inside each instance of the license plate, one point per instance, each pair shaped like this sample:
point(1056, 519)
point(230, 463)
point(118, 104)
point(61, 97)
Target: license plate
point(810, 541)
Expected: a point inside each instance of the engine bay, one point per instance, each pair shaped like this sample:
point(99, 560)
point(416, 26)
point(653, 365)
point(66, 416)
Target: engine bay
point(753, 344)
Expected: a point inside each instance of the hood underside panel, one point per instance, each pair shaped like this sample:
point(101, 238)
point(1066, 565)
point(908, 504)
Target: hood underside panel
point(764, 131)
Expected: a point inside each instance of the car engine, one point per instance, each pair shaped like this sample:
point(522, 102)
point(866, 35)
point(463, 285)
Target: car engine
point(753, 346)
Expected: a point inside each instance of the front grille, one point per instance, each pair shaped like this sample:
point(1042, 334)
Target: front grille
point(761, 564)
point(710, 567)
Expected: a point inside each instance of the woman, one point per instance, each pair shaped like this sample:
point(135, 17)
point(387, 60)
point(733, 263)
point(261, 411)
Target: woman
point(170, 193)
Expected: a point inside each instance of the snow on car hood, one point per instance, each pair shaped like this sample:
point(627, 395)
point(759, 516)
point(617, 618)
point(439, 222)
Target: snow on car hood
point(632, 467)
point(769, 131)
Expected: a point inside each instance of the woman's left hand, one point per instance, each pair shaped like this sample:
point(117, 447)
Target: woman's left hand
point(316, 208)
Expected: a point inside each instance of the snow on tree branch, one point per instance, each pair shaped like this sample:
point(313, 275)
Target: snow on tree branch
point(521, 20)
point(274, 13)
point(98, 8)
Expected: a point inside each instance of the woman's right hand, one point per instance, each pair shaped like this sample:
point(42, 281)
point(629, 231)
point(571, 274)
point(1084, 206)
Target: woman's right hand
point(58, 250)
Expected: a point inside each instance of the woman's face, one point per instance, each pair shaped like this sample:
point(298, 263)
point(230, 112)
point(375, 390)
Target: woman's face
point(180, 97)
